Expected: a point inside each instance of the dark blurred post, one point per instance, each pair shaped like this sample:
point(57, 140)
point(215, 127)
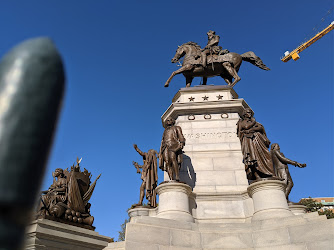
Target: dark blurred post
point(31, 91)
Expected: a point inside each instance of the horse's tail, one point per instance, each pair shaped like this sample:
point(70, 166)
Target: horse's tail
point(254, 59)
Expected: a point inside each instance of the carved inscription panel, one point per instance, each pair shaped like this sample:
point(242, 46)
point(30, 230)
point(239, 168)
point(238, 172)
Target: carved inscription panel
point(213, 136)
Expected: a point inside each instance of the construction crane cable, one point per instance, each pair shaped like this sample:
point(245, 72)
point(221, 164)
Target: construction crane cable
point(308, 41)
point(317, 26)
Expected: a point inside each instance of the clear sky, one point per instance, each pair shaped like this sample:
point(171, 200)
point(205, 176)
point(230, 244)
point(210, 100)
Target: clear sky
point(117, 57)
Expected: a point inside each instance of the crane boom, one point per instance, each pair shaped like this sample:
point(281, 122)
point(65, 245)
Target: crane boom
point(295, 53)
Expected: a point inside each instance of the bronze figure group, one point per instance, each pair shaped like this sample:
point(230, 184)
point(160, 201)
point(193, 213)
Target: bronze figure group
point(67, 199)
point(170, 159)
point(211, 61)
point(254, 147)
point(260, 163)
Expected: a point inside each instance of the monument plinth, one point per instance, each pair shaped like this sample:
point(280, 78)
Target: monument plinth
point(212, 159)
point(174, 201)
point(269, 200)
point(138, 211)
point(48, 234)
point(215, 208)
point(297, 209)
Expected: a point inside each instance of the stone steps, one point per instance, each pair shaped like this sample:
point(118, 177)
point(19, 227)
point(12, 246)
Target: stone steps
point(309, 232)
point(116, 246)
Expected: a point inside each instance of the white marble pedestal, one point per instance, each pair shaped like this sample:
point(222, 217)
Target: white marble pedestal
point(269, 200)
point(297, 209)
point(212, 161)
point(220, 202)
point(142, 211)
point(51, 235)
point(174, 201)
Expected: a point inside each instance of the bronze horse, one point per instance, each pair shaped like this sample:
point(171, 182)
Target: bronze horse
point(226, 66)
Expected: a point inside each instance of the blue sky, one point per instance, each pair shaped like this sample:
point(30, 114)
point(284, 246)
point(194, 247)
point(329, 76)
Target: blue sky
point(117, 57)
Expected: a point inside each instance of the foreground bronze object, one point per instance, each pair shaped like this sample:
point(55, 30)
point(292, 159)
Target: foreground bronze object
point(172, 143)
point(31, 90)
point(211, 61)
point(254, 146)
point(67, 199)
point(281, 166)
point(149, 175)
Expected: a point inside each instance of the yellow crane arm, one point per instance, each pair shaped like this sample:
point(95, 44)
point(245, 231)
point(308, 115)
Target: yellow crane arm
point(294, 54)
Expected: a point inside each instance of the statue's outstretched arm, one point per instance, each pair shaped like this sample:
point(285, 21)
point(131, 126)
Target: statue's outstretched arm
point(138, 150)
point(137, 166)
point(283, 159)
point(301, 165)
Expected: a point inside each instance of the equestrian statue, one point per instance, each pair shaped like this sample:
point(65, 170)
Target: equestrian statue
point(211, 61)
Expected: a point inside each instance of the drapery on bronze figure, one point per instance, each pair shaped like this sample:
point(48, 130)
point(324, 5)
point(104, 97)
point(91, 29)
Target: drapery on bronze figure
point(281, 166)
point(67, 198)
point(170, 155)
point(149, 175)
point(211, 61)
point(254, 146)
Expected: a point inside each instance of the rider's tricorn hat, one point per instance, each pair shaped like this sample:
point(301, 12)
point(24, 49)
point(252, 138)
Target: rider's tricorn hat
point(211, 32)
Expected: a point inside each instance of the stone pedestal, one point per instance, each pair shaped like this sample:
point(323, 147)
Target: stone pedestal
point(212, 162)
point(297, 209)
point(142, 211)
point(269, 200)
point(51, 235)
point(220, 204)
point(309, 231)
point(174, 201)
point(139, 211)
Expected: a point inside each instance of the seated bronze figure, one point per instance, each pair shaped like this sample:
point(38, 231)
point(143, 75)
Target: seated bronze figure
point(67, 198)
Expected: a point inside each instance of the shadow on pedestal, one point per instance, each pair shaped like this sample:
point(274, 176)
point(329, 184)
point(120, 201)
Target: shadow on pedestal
point(187, 172)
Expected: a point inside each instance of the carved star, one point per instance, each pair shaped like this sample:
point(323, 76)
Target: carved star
point(219, 97)
point(191, 99)
point(205, 98)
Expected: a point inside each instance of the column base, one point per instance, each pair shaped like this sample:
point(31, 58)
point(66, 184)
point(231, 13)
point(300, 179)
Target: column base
point(174, 201)
point(48, 234)
point(297, 209)
point(269, 200)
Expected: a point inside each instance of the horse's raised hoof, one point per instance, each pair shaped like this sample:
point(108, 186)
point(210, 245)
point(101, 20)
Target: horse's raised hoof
point(166, 85)
point(235, 82)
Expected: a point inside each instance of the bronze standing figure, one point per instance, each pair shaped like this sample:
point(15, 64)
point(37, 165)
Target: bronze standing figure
point(172, 143)
point(211, 61)
point(254, 146)
point(149, 175)
point(281, 165)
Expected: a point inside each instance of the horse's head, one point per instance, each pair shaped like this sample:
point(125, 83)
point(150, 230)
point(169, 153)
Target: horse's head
point(189, 49)
point(180, 52)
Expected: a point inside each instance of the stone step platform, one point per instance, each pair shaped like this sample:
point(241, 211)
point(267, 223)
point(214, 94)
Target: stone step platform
point(51, 235)
point(116, 246)
point(309, 232)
